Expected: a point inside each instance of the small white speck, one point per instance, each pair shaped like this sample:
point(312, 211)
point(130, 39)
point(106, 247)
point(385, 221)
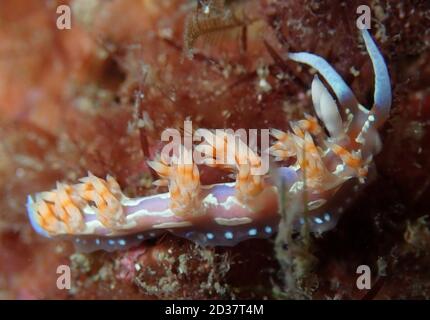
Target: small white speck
point(140, 237)
point(371, 118)
point(264, 85)
point(111, 242)
point(327, 216)
point(152, 234)
point(268, 229)
point(20, 172)
point(97, 241)
point(228, 235)
point(339, 169)
point(122, 242)
point(252, 232)
point(137, 267)
point(210, 235)
point(318, 220)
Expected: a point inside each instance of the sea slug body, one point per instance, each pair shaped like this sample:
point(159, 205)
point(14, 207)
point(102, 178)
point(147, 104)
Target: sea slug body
point(333, 154)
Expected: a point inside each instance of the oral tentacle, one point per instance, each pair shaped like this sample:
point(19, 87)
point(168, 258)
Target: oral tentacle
point(343, 92)
point(382, 94)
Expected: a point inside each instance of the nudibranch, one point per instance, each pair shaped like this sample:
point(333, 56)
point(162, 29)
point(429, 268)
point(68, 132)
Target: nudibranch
point(331, 154)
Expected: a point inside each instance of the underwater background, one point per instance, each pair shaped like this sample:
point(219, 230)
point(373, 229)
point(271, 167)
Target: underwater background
point(97, 97)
